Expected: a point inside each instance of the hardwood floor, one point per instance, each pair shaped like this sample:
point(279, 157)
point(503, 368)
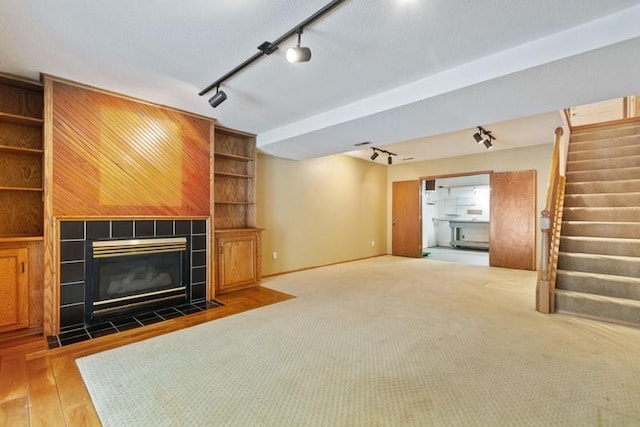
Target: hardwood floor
point(42, 387)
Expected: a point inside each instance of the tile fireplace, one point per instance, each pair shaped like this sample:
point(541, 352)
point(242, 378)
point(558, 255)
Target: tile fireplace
point(117, 267)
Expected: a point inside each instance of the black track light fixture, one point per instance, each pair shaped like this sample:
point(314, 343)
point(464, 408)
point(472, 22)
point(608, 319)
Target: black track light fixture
point(298, 54)
point(295, 54)
point(218, 98)
point(377, 151)
point(484, 137)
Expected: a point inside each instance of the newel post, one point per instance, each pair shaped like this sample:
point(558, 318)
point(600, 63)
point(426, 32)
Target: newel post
point(543, 282)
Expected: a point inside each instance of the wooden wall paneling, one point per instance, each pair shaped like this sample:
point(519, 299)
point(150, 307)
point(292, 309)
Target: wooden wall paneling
point(211, 279)
point(50, 294)
point(116, 156)
point(36, 283)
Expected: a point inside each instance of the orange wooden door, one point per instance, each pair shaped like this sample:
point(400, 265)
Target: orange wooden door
point(406, 232)
point(512, 229)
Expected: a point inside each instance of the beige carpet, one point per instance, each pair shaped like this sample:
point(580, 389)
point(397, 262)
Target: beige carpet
point(381, 342)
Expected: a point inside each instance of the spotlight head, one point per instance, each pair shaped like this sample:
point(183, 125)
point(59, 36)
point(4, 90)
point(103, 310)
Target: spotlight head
point(389, 160)
point(374, 155)
point(487, 143)
point(298, 54)
point(478, 137)
point(218, 98)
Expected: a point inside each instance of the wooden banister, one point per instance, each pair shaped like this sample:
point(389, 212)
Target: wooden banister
point(551, 218)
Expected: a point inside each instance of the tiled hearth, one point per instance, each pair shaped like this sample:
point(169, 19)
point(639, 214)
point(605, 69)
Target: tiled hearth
point(74, 236)
point(78, 333)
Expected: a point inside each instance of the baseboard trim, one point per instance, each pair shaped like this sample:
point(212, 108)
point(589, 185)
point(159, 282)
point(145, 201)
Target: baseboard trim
point(320, 266)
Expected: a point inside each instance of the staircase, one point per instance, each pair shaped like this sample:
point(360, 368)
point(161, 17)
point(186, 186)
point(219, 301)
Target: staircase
point(599, 261)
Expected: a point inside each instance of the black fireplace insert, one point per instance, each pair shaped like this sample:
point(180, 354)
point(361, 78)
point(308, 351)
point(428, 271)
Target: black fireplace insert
point(127, 276)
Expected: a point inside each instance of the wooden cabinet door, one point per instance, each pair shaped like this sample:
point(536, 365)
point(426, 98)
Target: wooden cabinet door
point(238, 260)
point(406, 232)
point(14, 294)
point(512, 229)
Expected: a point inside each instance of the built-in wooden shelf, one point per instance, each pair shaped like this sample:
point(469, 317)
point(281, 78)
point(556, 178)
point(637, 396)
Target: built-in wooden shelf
point(20, 238)
point(20, 189)
point(233, 175)
point(234, 157)
point(234, 203)
point(20, 150)
point(20, 120)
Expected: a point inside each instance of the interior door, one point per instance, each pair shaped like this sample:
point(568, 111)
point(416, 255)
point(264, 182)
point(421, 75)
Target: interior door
point(406, 231)
point(512, 228)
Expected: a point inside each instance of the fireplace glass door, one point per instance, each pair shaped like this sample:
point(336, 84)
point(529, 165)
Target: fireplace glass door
point(133, 275)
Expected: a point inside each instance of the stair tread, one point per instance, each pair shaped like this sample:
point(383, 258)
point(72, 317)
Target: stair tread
point(621, 223)
point(600, 256)
point(632, 281)
point(602, 239)
point(596, 297)
point(599, 158)
point(629, 208)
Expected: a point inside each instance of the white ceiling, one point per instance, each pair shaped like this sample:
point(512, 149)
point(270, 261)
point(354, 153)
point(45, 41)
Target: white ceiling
point(386, 71)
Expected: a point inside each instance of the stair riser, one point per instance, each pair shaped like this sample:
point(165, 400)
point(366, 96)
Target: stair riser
point(628, 186)
point(599, 309)
point(628, 247)
point(602, 200)
point(604, 153)
point(604, 175)
point(603, 163)
point(603, 265)
point(601, 214)
point(586, 229)
point(598, 285)
point(629, 129)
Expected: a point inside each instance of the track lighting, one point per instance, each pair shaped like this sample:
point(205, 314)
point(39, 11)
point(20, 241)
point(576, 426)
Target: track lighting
point(484, 137)
point(298, 54)
point(377, 151)
point(218, 98)
point(295, 54)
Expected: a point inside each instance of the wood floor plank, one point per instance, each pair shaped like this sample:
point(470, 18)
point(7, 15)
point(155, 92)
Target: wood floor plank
point(13, 378)
point(39, 374)
point(70, 384)
point(45, 409)
point(83, 414)
point(14, 412)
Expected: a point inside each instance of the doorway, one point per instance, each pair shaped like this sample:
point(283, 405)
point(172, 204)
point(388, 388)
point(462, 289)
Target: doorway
point(455, 218)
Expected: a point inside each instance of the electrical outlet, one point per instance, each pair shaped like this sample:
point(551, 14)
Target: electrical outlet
point(373, 243)
point(274, 255)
